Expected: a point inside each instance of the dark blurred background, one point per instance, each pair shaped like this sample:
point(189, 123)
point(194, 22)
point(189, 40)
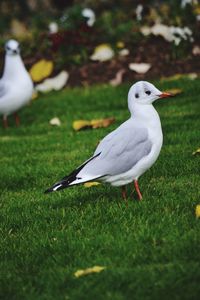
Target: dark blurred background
point(163, 34)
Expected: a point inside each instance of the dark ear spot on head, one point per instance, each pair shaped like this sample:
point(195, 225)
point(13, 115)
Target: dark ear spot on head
point(136, 95)
point(148, 93)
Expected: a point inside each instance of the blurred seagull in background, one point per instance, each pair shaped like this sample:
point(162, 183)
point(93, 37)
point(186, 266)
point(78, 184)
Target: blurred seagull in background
point(128, 151)
point(16, 86)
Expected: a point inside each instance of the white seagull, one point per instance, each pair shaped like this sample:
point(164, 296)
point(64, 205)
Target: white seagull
point(128, 151)
point(16, 86)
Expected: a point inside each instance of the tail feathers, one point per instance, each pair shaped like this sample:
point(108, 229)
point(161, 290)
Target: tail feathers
point(72, 178)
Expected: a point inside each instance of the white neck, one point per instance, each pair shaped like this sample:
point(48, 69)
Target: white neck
point(146, 114)
point(13, 67)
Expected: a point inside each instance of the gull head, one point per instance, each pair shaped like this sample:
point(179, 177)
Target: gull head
point(144, 93)
point(12, 47)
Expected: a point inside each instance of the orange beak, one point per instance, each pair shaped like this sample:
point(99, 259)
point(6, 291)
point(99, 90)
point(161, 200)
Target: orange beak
point(165, 95)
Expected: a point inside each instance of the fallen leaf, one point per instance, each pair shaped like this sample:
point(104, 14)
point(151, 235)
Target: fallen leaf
point(196, 152)
point(120, 44)
point(81, 124)
point(98, 123)
point(55, 122)
point(175, 91)
point(102, 122)
point(196, 50)
point(124, 52)
point(19, 29)
point(197, 211)
point(118, 78)
point(91, 183)
point(56, 83)
point(102, 53)
point(53, 27)
point(40, 70)
point(90, 15)
point(140, 68)
point(34, 95)
point(169, 33)
point(95, 269)
point(190, 76)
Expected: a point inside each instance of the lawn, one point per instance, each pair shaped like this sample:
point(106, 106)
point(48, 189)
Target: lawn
point(151, 249)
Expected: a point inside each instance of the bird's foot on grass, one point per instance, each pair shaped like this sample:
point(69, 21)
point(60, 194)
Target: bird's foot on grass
point(17, 120)
point(138, 190)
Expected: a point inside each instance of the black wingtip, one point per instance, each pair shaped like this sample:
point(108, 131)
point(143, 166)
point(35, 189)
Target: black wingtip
point(68, 180)
point(48, 191)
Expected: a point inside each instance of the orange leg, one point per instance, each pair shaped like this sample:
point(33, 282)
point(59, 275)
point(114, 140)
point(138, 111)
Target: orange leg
point(5, 122)
point(17, 121)
point(137, 189)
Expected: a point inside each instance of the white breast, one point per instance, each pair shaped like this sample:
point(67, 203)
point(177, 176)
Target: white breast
point(17, 84)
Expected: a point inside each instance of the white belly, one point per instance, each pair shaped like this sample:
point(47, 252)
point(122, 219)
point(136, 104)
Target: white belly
point(16, 97)
point(143, 165)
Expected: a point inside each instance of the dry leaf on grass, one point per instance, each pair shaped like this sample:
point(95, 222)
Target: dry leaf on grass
point(95, 269)
point(118, 78)
point(197, 211)
point(175, 91)
point(140, 68)
point(98, 123)
point(56, 83)
point(41, 69)
point(196, 152)
point(124, 52)
point(91, 183)
point(102, 122)
point(34, 95)
point(102, 53)
point(55, 122)
point(81, 124)
point(190, 76)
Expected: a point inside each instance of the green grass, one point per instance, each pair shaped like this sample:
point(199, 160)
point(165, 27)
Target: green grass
point(151, 249)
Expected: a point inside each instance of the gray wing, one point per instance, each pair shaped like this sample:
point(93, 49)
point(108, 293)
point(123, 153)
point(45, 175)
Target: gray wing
point(3, 89)
point(119, 152)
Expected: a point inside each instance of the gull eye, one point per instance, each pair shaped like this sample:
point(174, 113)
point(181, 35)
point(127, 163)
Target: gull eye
point(136, 95)
point(148, 93)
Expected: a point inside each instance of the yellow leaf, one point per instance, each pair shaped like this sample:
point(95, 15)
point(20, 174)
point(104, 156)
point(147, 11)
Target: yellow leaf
point(95, 269)
point(34, 95)
point(120, 44)
point(91, 183)
point(81, 124)
point(102, 122)
point(40, 70)
point(197, 10)
point(197, 211)
point(97, 123)
point(175, 91)
point(196, 152)
point(190, 76)
point(102, 52)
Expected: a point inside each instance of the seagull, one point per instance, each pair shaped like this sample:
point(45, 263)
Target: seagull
point(128, 151)
point(16, 86)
